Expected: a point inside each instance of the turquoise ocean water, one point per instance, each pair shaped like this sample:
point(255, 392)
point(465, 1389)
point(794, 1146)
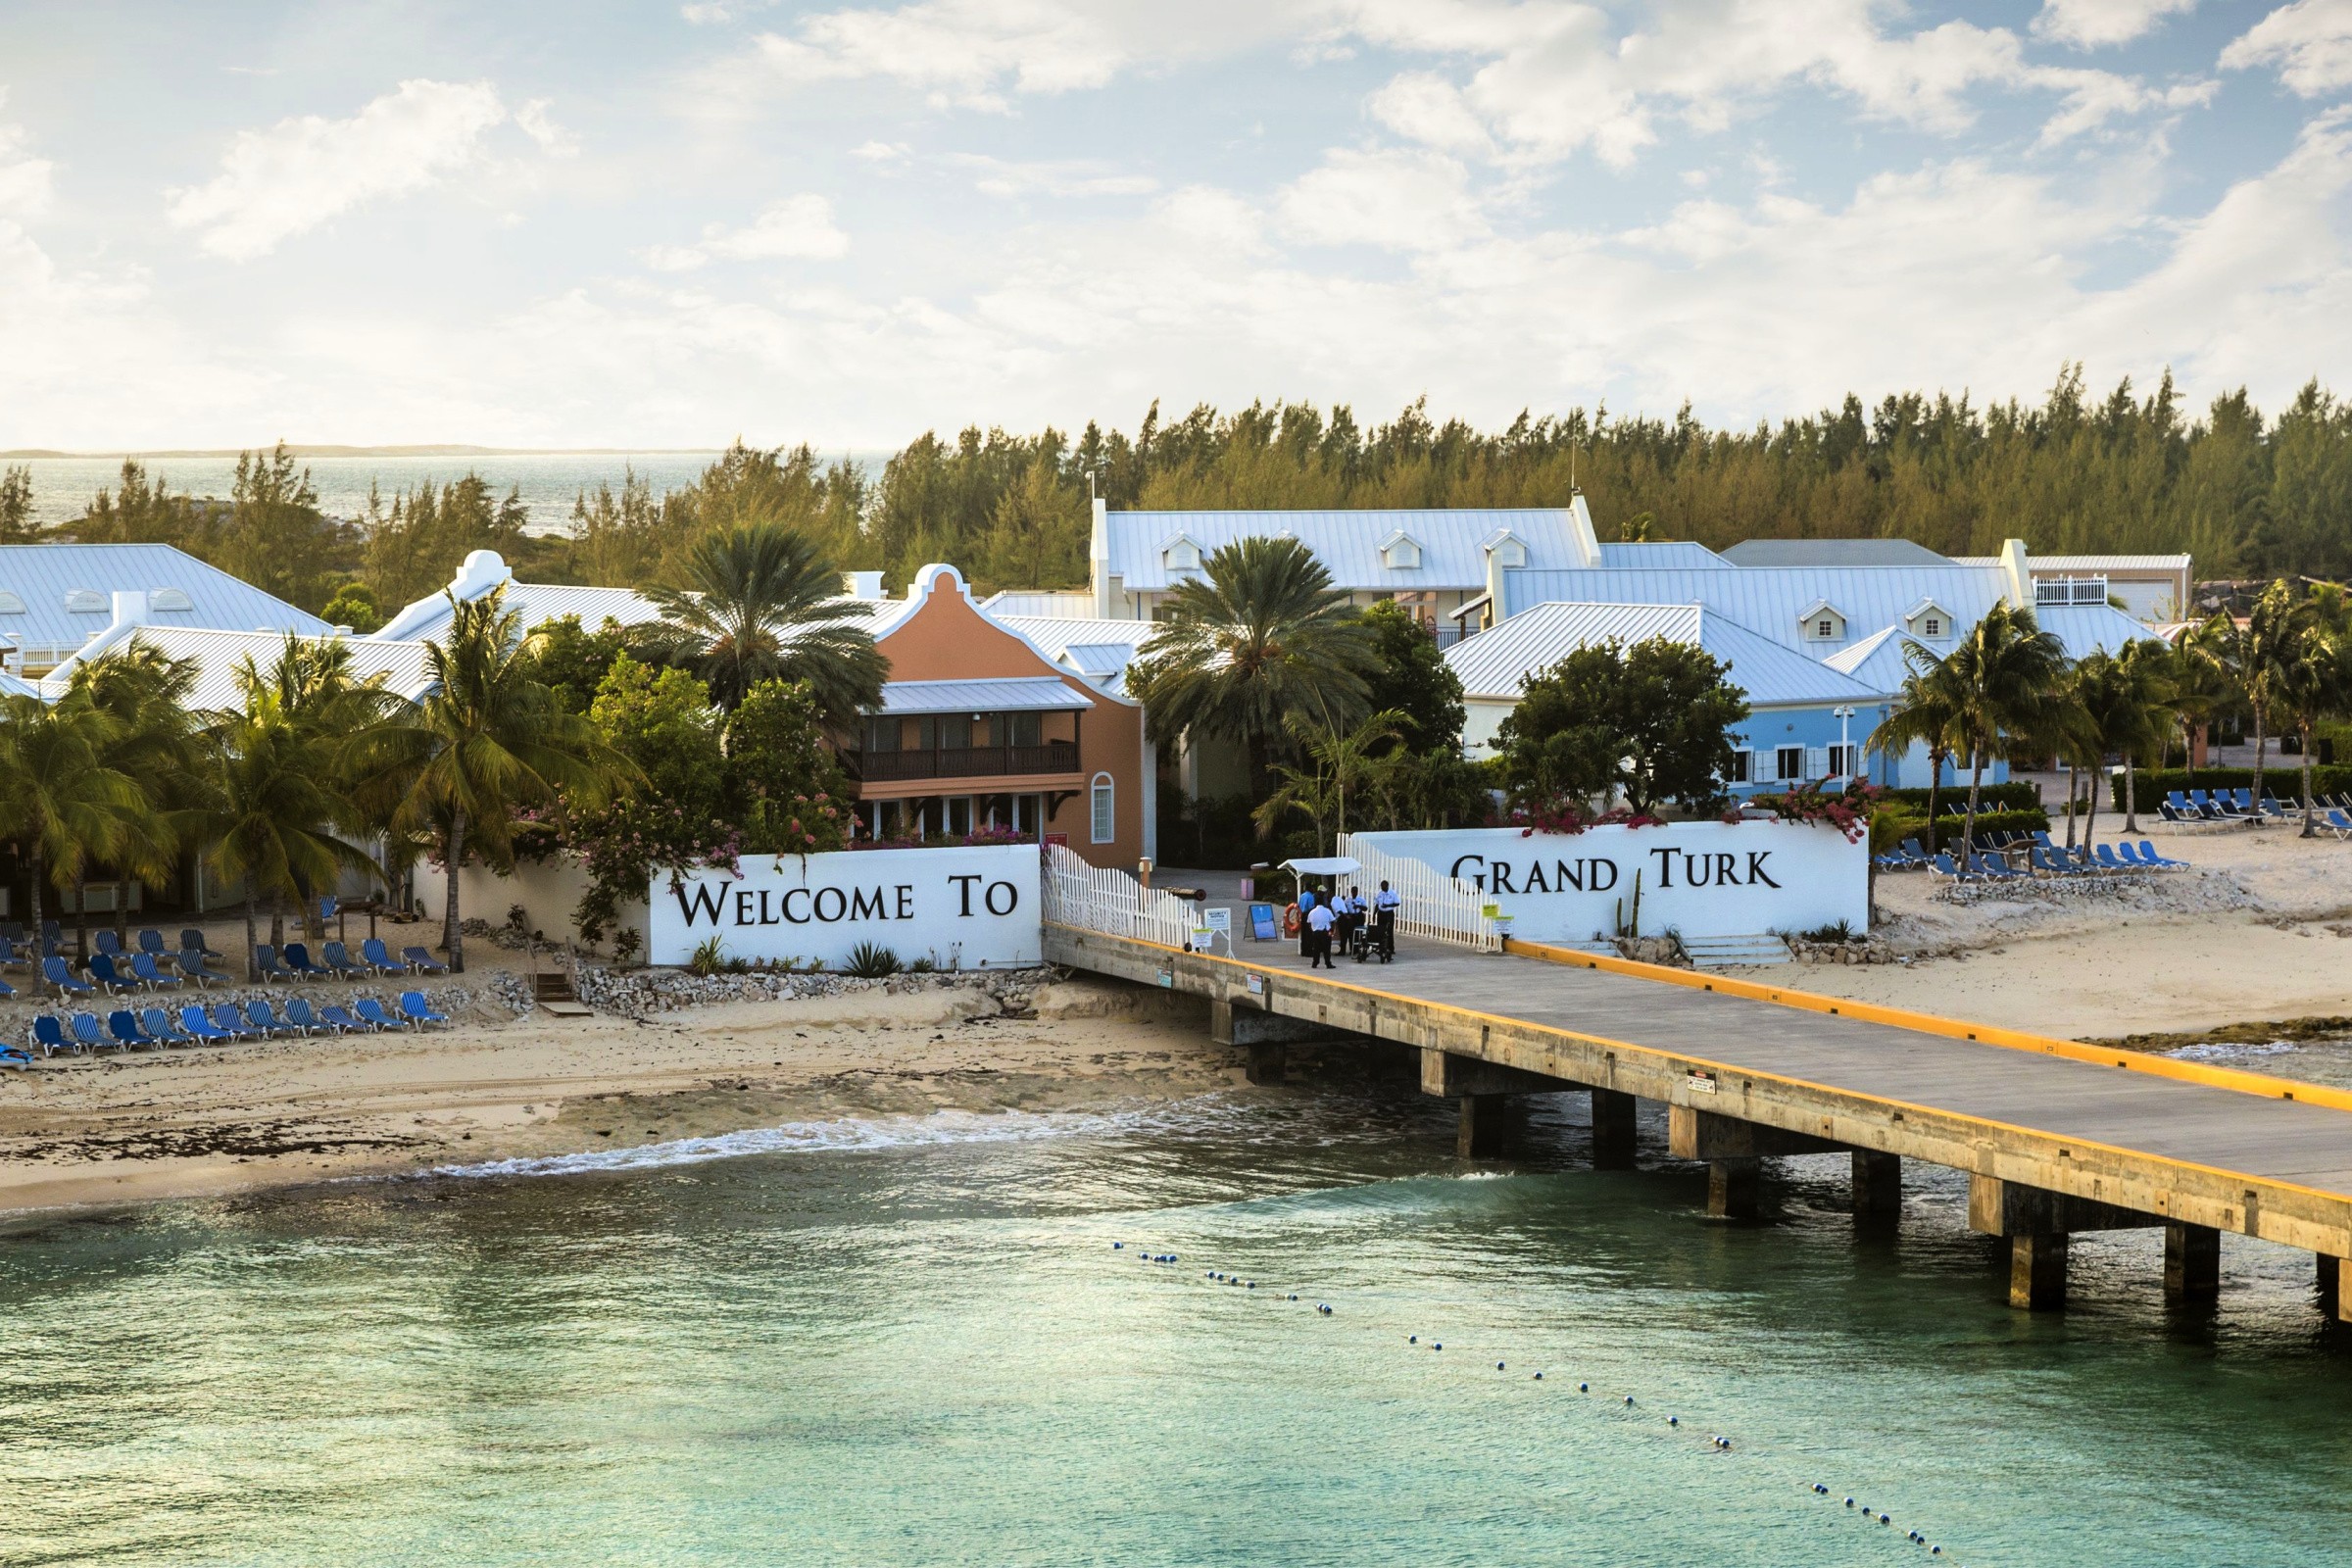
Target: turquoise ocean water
point(926, 1348)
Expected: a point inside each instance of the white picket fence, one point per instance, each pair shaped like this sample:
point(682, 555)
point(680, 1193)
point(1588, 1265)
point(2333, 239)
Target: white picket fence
point(1440, 907)
point(1096, 899)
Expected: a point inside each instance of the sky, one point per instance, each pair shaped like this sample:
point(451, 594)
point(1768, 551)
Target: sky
point(597, 223)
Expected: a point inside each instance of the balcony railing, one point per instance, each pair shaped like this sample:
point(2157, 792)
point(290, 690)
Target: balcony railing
point(962, 761)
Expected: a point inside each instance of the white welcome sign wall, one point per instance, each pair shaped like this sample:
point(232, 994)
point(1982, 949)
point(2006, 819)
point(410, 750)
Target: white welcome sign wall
point(1702, 879)
point(959, 907)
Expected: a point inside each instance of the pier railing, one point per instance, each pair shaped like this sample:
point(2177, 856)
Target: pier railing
point(1440, 907)
point(1097, 898)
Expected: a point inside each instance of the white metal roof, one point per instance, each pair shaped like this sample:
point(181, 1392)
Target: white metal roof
point(39, 577)
point(1347, 542)
point(538, 603)
point(1099, 649)
point(2107, 563)
point(1497, 663)
point(1008, 695)
point(399, 666)
point(1066, 603)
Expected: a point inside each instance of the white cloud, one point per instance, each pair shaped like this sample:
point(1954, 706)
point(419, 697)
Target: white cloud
point(2309, 41)
point(2096, 97)
point(532, 120)
point(797, 227)
point(282, 181)
point(1394, 199)
point(24, 180)
point(2088, 24)
point(1073, 176)
point(882, 152)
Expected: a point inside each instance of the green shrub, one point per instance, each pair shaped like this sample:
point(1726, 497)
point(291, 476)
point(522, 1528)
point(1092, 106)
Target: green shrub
point(870, 960)
point(2285, 782)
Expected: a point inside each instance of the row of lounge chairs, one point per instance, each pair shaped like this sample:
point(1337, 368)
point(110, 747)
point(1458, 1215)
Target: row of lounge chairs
point(125, 1029)
point(2042, 855)
point(115, 970)
point(2192, 807)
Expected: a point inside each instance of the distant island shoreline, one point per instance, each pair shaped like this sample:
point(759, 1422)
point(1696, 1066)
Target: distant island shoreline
point(383, 452)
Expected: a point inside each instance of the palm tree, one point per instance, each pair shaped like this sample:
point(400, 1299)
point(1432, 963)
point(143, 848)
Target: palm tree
point(1926, 711)
point(1337, 764)
point(2149, 679)
point(275, 799)
point(156, 746)
point(486, 741)
point(1262, 637)
point(760, 602)
point(2123, 706)
point(2315, 666)
point(2253, 656)
point(2200, 684)
point(2004, 677)
point(61, 799)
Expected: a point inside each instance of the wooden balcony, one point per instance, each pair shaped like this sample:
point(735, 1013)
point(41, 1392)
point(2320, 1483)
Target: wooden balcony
point(962, 761)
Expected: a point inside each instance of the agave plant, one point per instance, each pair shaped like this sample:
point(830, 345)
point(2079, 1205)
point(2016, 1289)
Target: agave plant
point(870, 960)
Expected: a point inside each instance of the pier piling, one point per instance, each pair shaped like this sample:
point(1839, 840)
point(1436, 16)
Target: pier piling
point(2192, 1262)
point(2038, 1270)
point(1877, 1192)
point(1612, 1130)
point(1731, 1185)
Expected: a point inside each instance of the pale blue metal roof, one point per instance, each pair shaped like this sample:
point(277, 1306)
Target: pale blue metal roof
point(1496, 663)
point(39, 577)
point(1452, 541)
point(1775, 601)
point(1002, 695)
point(1684, 553)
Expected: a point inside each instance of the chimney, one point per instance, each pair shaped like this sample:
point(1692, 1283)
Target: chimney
point(1097, 563)
point(2020, 583)
point(865, 585)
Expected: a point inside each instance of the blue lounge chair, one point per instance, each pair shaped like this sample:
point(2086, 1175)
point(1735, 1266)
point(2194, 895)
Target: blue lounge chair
point(372, 954)
point(413, 1005)
point(2339, 824)
point(298, 959)
point(142, 964)
point(158, 1024)
point(300, 1015)
point(151, 942)
point(191, 965)
point(191, 940)
point(50, 1035)
point(233, 1022)
point(338, 959)
point(55, 972)
point(266, 964)
point(13, 956)
point(200, 1027)
point(89, 1031)
point(124, 1025)
point(16, 1056)
point(2106, 857)
point(108, 943)
point(258, 1013)
point(2242, 802)
point(1993, 866)
point(1944, 866)
point(423, 962)
point(7, 990)
point(102, 969)
point(372, 1012)
point(341, 1021)
point(53, 935)
point(2149, 856)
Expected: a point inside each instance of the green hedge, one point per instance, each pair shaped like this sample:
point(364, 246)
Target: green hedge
point(2284, 781)
point(1993, 798)
point(1947, 828)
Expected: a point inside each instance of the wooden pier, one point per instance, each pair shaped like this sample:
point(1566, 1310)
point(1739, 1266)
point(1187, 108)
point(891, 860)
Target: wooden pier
point(2055, 1137)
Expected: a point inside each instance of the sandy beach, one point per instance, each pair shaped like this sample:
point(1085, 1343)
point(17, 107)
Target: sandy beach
point(195, 1121)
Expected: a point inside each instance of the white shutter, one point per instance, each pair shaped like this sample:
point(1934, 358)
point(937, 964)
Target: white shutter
point(1817, 761)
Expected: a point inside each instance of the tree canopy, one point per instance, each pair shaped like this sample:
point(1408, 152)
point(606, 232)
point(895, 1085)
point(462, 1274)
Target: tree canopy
point(1651, 721)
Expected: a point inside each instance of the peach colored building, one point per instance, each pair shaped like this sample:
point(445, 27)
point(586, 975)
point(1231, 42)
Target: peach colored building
point(978, 727)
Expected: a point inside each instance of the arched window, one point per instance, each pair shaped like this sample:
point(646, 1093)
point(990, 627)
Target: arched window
point(1104, 816)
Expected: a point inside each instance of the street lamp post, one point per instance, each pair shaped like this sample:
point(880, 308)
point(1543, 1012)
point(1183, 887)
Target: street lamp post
point(1846, 745)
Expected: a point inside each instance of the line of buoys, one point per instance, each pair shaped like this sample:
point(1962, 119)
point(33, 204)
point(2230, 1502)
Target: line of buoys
point(1718, 1443)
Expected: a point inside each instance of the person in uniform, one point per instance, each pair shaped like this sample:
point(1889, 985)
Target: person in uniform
point(1318, 936)
point(1384, 905)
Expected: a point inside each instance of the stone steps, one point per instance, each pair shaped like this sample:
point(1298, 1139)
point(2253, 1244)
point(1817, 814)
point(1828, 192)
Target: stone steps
point(1736, 951)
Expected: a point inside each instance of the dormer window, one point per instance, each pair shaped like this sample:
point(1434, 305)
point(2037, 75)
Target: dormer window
point(169, 599)
point(1400, 551)
point(1927, 620)
point(85, 602)
point(11, 604)
point(1508, 550)
point(1822, 624)
point(1181, 554)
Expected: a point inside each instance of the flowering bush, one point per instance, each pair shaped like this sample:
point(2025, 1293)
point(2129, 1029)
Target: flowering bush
point(1848, 810)
point(622, 845)
point(1570, 820)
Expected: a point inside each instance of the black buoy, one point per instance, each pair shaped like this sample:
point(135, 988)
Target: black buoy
point(1584, 1388)
point(1412, 1339)
point(1674, 1420)
point(1850, 1503)
point(1498, 1366)
point(1538, 1377)
point(1117, 1246)
point(1629, 1398)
